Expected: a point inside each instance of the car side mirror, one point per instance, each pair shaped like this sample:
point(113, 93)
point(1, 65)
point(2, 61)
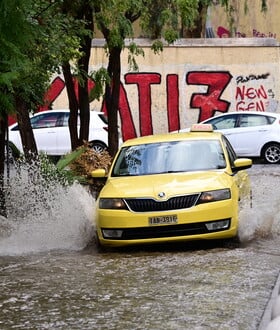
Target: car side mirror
point(242, 164)
point(99, 173)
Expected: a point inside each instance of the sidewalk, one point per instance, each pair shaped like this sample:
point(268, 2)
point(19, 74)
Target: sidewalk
point(271, 316)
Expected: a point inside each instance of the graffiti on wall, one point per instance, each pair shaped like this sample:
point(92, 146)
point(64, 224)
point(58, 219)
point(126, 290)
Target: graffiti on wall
point(223, 32)
point(256, 34)
point(251, 92)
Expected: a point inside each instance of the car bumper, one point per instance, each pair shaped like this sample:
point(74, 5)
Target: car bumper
point(191, 225)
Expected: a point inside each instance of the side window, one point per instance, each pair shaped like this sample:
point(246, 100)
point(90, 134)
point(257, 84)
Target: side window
point(254, 120)
point(62, 120)
point(130, 161)
point(104, 118)
point(44, 120)
point(15, 128)
point(231, 153)
point(270, 120)
point(223, 123)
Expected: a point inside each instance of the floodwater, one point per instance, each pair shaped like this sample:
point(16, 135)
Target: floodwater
point(53, 277)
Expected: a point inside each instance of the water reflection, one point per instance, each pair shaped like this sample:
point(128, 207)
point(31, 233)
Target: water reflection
point(221, 289)
point(50, 281)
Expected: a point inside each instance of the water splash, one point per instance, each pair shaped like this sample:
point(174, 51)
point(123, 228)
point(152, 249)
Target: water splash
point(44, 216)
point(262, 219)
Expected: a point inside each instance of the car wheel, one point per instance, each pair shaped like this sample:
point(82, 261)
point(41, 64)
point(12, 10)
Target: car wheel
point(271, 153)
point(232, 243)
point(98, 146)
point(100, 248)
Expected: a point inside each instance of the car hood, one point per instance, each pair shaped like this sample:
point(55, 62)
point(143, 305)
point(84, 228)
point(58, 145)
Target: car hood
point(170, 184)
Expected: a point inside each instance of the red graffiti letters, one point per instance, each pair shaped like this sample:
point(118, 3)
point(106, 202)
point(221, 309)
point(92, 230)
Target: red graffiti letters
point(172, 92)
point(127, 124)
point(249, 98)
point(246, 97)
point(144, 82)
point(209, 102)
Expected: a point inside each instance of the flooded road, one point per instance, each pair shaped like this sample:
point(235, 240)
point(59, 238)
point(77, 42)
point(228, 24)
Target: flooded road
point(53, 277)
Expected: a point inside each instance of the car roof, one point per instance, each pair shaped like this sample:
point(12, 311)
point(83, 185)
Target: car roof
point(65, 110)
point(262, 113)
point(169, 137)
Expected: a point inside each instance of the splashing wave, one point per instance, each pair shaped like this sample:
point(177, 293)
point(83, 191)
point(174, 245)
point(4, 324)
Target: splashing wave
point(44, 216)
point(262, 220)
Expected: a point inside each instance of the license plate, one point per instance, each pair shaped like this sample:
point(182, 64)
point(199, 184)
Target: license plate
point(163, 220)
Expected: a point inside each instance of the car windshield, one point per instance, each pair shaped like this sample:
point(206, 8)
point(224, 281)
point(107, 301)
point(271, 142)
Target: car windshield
point(169, 157)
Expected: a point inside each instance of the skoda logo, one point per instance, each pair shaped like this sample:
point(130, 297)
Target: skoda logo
point(161, 194)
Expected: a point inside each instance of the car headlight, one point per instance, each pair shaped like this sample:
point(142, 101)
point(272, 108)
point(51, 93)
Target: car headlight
point(214, 196)
point(112, 203)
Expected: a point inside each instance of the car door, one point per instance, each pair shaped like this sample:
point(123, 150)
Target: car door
point(241, 177)
point(249, 133)
point(44, 129)
point(63, 141)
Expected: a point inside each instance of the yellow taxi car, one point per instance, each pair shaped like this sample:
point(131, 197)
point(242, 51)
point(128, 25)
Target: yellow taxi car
point(172, 188)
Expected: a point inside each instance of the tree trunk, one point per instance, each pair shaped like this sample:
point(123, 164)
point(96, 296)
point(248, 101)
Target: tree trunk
point(25, 129)
point(73, 105)
point(112, 94)
point(80, 103)
point(84, 113)
point(3, 128)
point(83, 65)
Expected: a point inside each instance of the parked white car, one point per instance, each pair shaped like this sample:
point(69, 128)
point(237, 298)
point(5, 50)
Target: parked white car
point(252, 134)
point(52, 135)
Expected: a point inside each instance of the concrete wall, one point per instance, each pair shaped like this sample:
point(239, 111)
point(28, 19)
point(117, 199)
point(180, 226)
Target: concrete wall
point(250, 23)
point(189, 82)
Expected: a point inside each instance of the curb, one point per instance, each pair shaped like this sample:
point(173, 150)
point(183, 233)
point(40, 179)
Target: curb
point(271, 316)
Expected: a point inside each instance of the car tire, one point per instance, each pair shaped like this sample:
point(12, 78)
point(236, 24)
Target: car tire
point(98, 146)
point(232, 243)
point(99, 247)
point(271, 153)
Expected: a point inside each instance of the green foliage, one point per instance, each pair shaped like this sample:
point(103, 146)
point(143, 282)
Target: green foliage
point(263, 5)
point(69, 158)
point(231, 10)
point(134, 51)
point(165, 18)
point(15, 33)
point(117, 25)
point(41, 38)
point(157, 46)
point(189, 11)
point(51, 173)
point(101, 78)
point(59, 172)
point(6, 88)
point(171, 35)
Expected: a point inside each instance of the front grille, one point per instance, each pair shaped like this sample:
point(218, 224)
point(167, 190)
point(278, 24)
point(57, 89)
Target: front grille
point(150, 205)
point(166, 231)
